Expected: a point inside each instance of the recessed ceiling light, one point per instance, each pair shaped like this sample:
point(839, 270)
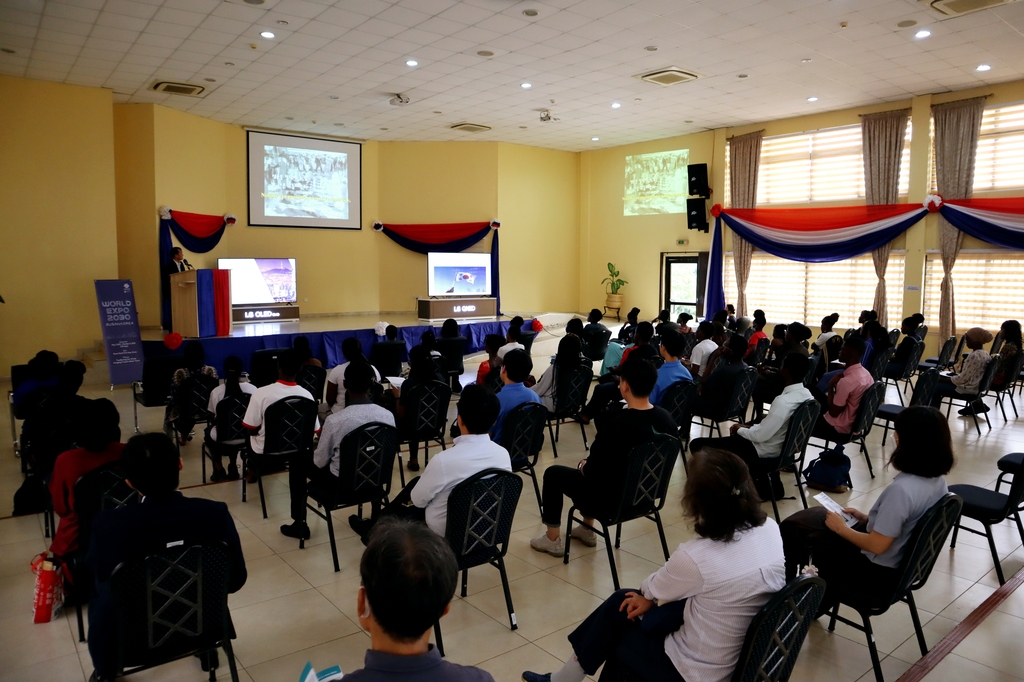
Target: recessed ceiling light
point(594, 139)
point(332, 97)
point(267, 34)
point(923, 33)
point(742, 75)
point(805, 61)
point(530, 12)
point(412, 62)
point(210, 80)
point(282, 22)
point(526, 86)
point(289, 118)
point(6, 50)
point(651, 48)
point(485, 53)
point(983, 67)
point(812, 99)
point(229, 63)
point(907, 23)
point(615, 105)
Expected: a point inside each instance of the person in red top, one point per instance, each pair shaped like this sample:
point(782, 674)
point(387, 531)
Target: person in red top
point(492, 342)
point(98, 437)
point(758, 325)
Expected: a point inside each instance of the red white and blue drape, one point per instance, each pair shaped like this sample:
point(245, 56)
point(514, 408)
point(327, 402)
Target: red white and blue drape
point(197, 233)
point(447, 237)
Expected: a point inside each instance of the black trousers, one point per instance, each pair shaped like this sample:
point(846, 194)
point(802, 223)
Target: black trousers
point(825, 431)
point(562, 481)
point(301, 470)
point(604, 393)
point(608, 635)
point(745, 450)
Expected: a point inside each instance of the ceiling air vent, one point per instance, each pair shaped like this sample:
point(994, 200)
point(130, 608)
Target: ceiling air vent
point(954, 8)
point(178, 88)
point(470, 127)
point(668, 76)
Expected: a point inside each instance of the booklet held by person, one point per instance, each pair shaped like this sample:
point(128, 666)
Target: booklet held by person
point(309, 674)
point(833, 506)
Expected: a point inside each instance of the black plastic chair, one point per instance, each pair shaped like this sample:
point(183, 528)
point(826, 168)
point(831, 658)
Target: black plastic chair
point(595, 343)
point(426, 413)
point(678, 399)
point(645, 485)
point(911, 366)
point(313, 379)
point(869, 404)
point(232, 436)
point(289, 426)
point(494, 381)
point(814, 370)
point(922, 395)
point(894, 336)
point(942, 361)
point(523, 436)
point(173, 604)
point(919, 556)
point(527, 338)
point(850, 332)
point(263, 366)
point(366, 462)
point(689, 343)
point(453, 350)
point(760, 351)
point(155, 388)
point(102, 488)
point(1013, 377)
point(192, 398)
point(571, 388)
point(983, 387)
point(742, 391)
point(386, 356)
point(879, 361)
point(989, 507)
point(794, 447)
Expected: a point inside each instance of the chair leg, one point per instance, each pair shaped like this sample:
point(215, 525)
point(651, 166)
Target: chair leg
point(586, 446)
point(661, 533)
point(558, 429)
point(230, 654)
point(611, 555)
point(885, 432)
point(568, 534)
point(437, 638)
point(334, 543)
point(864, 449)
point(263, 499)
point(508, 594)
point(551, 433)
point(999, 400)
point(799, 486)
point(245, 475)
point(987, 423)
point(875, 662)
point(81, 622)
point(899, 393)
point(917, 624)
point(618, 535)
point(536, 488)
point(956, 531)
point(832, 618)
point(682, 452)
point(401, 469)
point(995, 554)
point(775, 505)
point(1020, 528)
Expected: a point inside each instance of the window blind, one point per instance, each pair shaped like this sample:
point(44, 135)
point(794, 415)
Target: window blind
point(790, 291)
point(999, 160)
point(986, 289)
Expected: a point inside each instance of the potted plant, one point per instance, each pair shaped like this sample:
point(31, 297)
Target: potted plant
point(614, 298)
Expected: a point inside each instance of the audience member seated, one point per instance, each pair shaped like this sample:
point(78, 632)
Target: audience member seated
point(42, 373)
point(865, 317)
point(672, 369)
point(352, 351)
point(301, 346)
point(702, 352)
point(760, 445)
point(598, 479)
point(863, 560)
point(775, 347)
point(492, 342)
point(69, 381)
point(232, 386)
point(758, 323)
point(150, 464)
point(511, 341)
point(716, 390)
point(876, 339)
point(627, 330)
point(425, 498)
point(98, 436)
point(514, 371)
point(429, 341)
point(421, 371)
point(742, 325)
point(827, 323)
point(1009, 352)
point(575, 327)
point(570, 355)
point(684, 323)
point(264, 397)
point(408, 578)
point(641, 347)
point(195, 365)
point(769, 383)
point(594, 322)
point(972, 370)
point(718, 335)
point(704, 597)
point(730, 320)
point(841, 396)
point(721, 317)
point(452, 351)
point(50, 427)
point(607, 389)
point(898, 362)
point(664, 323)
point(388, 353)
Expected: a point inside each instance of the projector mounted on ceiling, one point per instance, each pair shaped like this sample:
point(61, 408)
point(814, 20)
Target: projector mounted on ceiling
point(668, 76)
point(172, 88)
point(470, 127)
point(954, 8)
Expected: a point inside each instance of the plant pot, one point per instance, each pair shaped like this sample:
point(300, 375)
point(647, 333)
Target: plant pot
point(613, 301)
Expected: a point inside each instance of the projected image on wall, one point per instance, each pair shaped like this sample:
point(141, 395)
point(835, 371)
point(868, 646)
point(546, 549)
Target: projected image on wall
point(656, 183)
point(306, 183)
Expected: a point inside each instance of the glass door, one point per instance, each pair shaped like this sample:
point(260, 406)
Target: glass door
point(681, 285)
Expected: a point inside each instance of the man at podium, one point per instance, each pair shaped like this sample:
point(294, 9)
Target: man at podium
point(176, 264)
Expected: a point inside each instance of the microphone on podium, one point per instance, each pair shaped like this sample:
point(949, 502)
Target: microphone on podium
point(187, 264)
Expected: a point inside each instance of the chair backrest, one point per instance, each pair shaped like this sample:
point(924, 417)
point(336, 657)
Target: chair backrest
point(156, 379)
point(263, 366)
point(986, 378)
point(760, 351)
point(913, 360)
point(429, 403)
point(850, 332)
point(879, 361)
point(801, 424)
point(678, 400)
point(102, 488)
point(313, 379)
point(922, 331)
point(386, 356)
point(894, 336)
point(493, 380)
point(453, 350)
point(19, 373)
point(366, 461)
point(832, 348)
point(958, 353)
point(869, 403)
point(946, 352)
point(925, 387)
point(689, 342)
point(289, 425)
point(171, 602)
point(810, 379)
point(522, 434)
point(777, 632)
point(192, 396)
point(1015, 495)
point(926, 542)
point(648, 472)
point(997, 343)
point(480, 514)
point(742, 390)
point(748, 333)
point(595, 343)
point(571, 387)
point(526, 338)
point(230, 414)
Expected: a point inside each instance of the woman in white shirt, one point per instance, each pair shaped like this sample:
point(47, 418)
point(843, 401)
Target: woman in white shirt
point(688, 620)
point(232, 386)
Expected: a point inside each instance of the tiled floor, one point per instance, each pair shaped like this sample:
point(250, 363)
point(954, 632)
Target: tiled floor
point(295, 608)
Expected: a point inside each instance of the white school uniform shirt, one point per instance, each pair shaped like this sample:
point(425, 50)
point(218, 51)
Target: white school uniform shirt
point(515, 345)
point(702, 353)
point(725, 584)
point(823, 339)
point(262, 399)
point(770, 433)
point(217, 395)
point(337, 377)
point(470, 455)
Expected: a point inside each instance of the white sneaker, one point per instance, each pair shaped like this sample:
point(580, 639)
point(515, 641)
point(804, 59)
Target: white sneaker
point(552, 547)
point(584, 535)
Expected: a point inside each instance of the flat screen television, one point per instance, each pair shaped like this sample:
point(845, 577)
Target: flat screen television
point(260, 281)
point(459, 274)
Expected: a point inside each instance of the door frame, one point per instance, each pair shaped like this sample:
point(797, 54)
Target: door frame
point(701, 258)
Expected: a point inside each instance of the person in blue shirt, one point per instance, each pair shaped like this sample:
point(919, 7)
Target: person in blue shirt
point(672, 348)
point(516, 368)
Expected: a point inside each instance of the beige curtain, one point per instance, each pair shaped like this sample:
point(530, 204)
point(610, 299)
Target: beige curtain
point(882, 135)
point(744, 161)
point(957, 125)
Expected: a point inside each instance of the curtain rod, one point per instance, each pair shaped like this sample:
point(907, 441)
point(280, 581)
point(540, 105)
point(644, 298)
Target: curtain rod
point(889, 111)
point(744, 134)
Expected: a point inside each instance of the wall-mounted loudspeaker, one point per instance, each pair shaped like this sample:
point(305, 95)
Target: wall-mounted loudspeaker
point(696, 215)
point(698, 174)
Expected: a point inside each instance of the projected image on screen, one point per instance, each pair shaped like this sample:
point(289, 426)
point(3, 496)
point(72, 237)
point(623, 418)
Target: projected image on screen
point(656, 183)
point(305, 183)
point(460, 280)
point(260, 281)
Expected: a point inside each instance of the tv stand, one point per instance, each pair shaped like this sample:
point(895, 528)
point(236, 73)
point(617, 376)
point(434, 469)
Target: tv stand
point(456, 308)
point(273, 312)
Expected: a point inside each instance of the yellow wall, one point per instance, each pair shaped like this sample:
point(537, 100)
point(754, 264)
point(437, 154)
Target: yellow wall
point(58, 222)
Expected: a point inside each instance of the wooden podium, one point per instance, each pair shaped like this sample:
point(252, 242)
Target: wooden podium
point(185, 303)
point(200, 303)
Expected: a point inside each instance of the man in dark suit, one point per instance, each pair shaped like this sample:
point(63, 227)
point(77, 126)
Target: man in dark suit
point(150, 464)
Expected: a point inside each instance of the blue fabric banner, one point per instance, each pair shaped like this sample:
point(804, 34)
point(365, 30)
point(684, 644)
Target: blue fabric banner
point(204, 302)
point(714, 299)
point(120, 323)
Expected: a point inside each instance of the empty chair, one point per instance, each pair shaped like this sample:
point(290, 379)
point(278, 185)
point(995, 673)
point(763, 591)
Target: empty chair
point(942, 361)
point(595, 343)
point(289, 425)
point(1006, 389)
point(312, 378)
point(155, 388)
point(523, 436)
point(922, 395)
point(869, 404)
point(571, 387)
point(426, 417)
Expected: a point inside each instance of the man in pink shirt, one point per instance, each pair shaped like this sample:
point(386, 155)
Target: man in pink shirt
point(844, 393)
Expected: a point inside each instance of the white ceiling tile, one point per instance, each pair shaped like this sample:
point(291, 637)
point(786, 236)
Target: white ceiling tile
point(75, 13)
point(163, 28)
point(179, 17)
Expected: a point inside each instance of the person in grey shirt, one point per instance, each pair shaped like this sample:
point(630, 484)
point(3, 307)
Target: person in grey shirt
point(863, 561)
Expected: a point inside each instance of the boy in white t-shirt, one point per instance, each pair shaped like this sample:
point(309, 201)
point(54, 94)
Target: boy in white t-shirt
point(351, 350)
